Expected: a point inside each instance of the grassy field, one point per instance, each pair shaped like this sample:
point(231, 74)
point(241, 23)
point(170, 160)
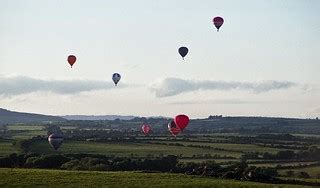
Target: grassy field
point(128, 149)
point(6, 147)
point(236, 147)
point(307, 135)
point(26, 131)
point(29, 134)
point(282, 164)
point(314, 172)
point(125, 149)
point(25, 127)
point(59, 178)
point(201, 160)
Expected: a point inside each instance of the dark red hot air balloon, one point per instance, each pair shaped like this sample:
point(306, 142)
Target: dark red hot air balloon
point(72, 59)
point(218, 21)
point(146, 129)
point(173, 128)
point(181, 121)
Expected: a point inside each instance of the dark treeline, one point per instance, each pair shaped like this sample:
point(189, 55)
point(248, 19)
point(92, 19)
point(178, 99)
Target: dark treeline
point(160, 164)
point(87, 162)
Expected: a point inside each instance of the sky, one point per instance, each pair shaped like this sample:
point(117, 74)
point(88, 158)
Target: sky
point(264, 61)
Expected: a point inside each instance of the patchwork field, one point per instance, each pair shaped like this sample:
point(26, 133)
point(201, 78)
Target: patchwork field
point(197, 148)
point(6, 147)
point(125, 149)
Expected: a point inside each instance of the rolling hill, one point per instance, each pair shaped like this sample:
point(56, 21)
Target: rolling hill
point(97, 117)
point(10, 117)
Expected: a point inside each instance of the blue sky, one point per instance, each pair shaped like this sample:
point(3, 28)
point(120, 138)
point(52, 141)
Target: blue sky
point(264, 61)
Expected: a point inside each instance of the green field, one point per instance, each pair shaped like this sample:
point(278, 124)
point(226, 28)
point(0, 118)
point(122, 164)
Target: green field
point(307, 135)
point(26, 131)
point(314, 172)
point(25, 127)
point(215, 160)
point(59, 178)
point(282, 164)
point(6, 147)
point(125, 149)
point(143, 147)
point(29, 134)
point(227, 146)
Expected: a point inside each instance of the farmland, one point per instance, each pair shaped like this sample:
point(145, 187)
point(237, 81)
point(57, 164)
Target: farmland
point(125, 149)
point(114, 139)
point(58, 178)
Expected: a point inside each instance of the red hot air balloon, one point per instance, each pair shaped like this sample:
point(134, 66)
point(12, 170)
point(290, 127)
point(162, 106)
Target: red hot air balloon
point(181, 121)
point(72, 59)
point(218, 21)
point(146, 129)
point(173, 128)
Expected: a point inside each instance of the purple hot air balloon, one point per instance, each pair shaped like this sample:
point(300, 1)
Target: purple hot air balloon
point(218, 21)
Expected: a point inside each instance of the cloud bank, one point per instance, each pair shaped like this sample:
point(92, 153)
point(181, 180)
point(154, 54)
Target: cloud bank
point(217, 101)
point(10, 86)
point(174, 86)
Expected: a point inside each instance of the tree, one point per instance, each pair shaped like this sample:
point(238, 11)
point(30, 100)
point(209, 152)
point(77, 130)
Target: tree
point(303, 175)
point(287, 154)
point(290, 173)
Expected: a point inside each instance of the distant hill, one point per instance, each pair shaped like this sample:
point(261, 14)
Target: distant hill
point(10, 117)
point(93, 118)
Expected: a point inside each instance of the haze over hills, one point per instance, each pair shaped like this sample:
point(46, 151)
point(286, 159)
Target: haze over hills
point(106, 117)
point(98, 117)
point(213, 121)
point(10, 117)
point(7, 116)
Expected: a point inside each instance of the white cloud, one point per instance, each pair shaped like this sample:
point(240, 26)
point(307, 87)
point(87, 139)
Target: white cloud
point(174, 86)
point(217, 101)
point(317, 110)
point(17, 85)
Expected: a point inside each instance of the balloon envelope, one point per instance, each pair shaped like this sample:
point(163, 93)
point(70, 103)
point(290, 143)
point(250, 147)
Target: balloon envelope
point(72, 59)
point(181, 121)
point(55, 141)
point(116, 78)
point(183, 51)
point(146, 129)
point(173, 128)
point(218, 21)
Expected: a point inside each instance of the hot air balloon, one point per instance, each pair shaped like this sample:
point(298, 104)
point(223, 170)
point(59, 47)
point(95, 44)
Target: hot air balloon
point(146, 129)
point(173, 128)
point(181, 121)
point(116, 78)
point(72, 59)
point(183, 51)
point(55, 141)
point(218, 21)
